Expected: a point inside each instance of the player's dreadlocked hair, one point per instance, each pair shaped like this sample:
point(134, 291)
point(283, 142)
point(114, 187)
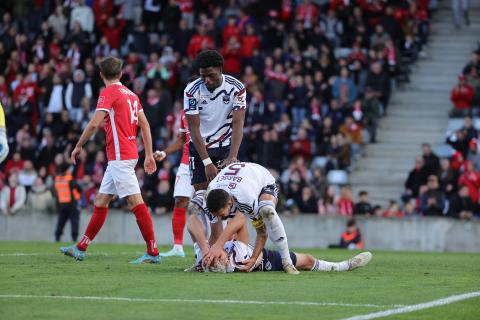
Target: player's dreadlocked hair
point(217, 199)
point(208, 58)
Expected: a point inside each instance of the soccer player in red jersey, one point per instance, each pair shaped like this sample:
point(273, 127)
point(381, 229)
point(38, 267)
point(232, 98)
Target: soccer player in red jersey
point(123, 113)
point(183, 190)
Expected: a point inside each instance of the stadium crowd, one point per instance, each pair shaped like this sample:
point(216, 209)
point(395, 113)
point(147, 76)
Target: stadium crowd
point(319, 75)
point(449, 184)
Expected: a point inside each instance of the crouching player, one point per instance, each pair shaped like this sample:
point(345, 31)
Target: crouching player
point(249, 189)
point(238, 252)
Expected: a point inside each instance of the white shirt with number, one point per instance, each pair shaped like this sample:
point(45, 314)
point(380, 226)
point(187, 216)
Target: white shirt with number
point(244, 181)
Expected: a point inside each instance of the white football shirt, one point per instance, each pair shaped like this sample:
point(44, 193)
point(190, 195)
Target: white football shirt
point(244, 181)
point(215, 108)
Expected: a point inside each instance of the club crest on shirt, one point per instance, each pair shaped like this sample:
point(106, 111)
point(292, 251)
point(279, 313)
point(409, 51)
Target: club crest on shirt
point(226, 99)
point(204, 102)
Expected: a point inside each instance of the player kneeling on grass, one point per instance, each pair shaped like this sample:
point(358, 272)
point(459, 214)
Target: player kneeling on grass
point(245, 188)
point(238, 252)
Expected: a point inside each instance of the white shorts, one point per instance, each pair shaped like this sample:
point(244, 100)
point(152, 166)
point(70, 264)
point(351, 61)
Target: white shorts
point(120, 178)
point(183, 186)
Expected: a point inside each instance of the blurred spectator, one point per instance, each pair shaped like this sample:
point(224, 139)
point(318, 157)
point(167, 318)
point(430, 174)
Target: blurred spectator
point(431, 161)
point(76, 91)
point(12, 196)
point(28, 175)
point(393, 210)
point(433, 199)
point(460, 12)
point(416, 178)
point(462, 98)
point(345, 203)
point(370, 106)
point(363, 206)
point(40, 198)
point(308, 203)
point(461, 204)
point(448, 178)
point(473, 155)
point(351, 238)
point(82, 14)
point(471, 179)
point(328, 202)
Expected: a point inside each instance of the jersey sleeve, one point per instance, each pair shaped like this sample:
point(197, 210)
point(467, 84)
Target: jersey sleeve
point(190, 103)
point(240, 99)
point(105, 101)
point(140, 107)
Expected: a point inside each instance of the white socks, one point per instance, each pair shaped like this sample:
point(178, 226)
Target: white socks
point(275, 229)
point(321, 265)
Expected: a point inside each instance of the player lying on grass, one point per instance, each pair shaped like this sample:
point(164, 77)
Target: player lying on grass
point(238, 252)
point(244, 188)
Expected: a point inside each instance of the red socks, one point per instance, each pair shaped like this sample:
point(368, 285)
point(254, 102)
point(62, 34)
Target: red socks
point(178, 224)
point(96, 222)
point(144, 221)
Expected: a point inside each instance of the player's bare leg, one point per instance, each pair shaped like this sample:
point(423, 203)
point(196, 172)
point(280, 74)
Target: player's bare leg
point(276, 230)
point(96, 222)
point(309, 262)
point(145, 224)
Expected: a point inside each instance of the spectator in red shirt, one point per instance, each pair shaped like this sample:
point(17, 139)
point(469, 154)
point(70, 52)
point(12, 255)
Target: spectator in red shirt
point(471, 179)
point(15, 164)
point(461, 97)
point(393, 211)
point(250, 41)
point(112, 30)
point(232, 54)
point(199, 42)
point(345, 204)
point(307, 13)
point(102, 9)
point(231, 29)
point(301, 146)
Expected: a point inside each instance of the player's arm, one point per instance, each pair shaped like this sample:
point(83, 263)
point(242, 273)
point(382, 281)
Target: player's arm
point(260, 241)
point(196, 137)
point(149, 164)
point(216, 250)
point(176, 146)
point(89, 131)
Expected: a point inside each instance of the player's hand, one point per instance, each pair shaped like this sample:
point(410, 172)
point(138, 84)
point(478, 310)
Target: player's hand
point(247, 265)
point(159, 155)
point(75, 154)
point(227, 162)
point(150, 165)
point(215, 252)
point(210, 172)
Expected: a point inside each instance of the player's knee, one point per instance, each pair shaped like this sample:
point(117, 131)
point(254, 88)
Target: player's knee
point(101, 201)
point(266, 209)
point(181, 202)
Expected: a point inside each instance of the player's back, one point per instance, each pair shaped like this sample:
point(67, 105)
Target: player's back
point(244, 180)
point(122, 107)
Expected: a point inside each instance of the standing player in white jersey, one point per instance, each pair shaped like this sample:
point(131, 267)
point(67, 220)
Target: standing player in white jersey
point(123, 113)
point(249, 189)
point(214, 106)
point(183, 189)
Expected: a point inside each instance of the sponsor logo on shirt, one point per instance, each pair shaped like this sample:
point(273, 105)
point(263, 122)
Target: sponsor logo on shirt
point(101, 101)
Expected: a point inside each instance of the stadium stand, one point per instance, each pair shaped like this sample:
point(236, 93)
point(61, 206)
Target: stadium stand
point(319, 77)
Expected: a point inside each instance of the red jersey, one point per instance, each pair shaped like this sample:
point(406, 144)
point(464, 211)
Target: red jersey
point(122, 107)
point(184, 129)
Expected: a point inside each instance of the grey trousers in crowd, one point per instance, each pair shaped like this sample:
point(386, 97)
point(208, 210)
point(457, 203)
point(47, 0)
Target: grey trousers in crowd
point(460, 12)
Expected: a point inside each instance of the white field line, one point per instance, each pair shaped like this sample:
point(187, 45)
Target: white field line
point(21, 254)
point(416, 307)
point(199, 301)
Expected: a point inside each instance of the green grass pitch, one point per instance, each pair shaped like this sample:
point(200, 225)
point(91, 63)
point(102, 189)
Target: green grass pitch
point(158, 291)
